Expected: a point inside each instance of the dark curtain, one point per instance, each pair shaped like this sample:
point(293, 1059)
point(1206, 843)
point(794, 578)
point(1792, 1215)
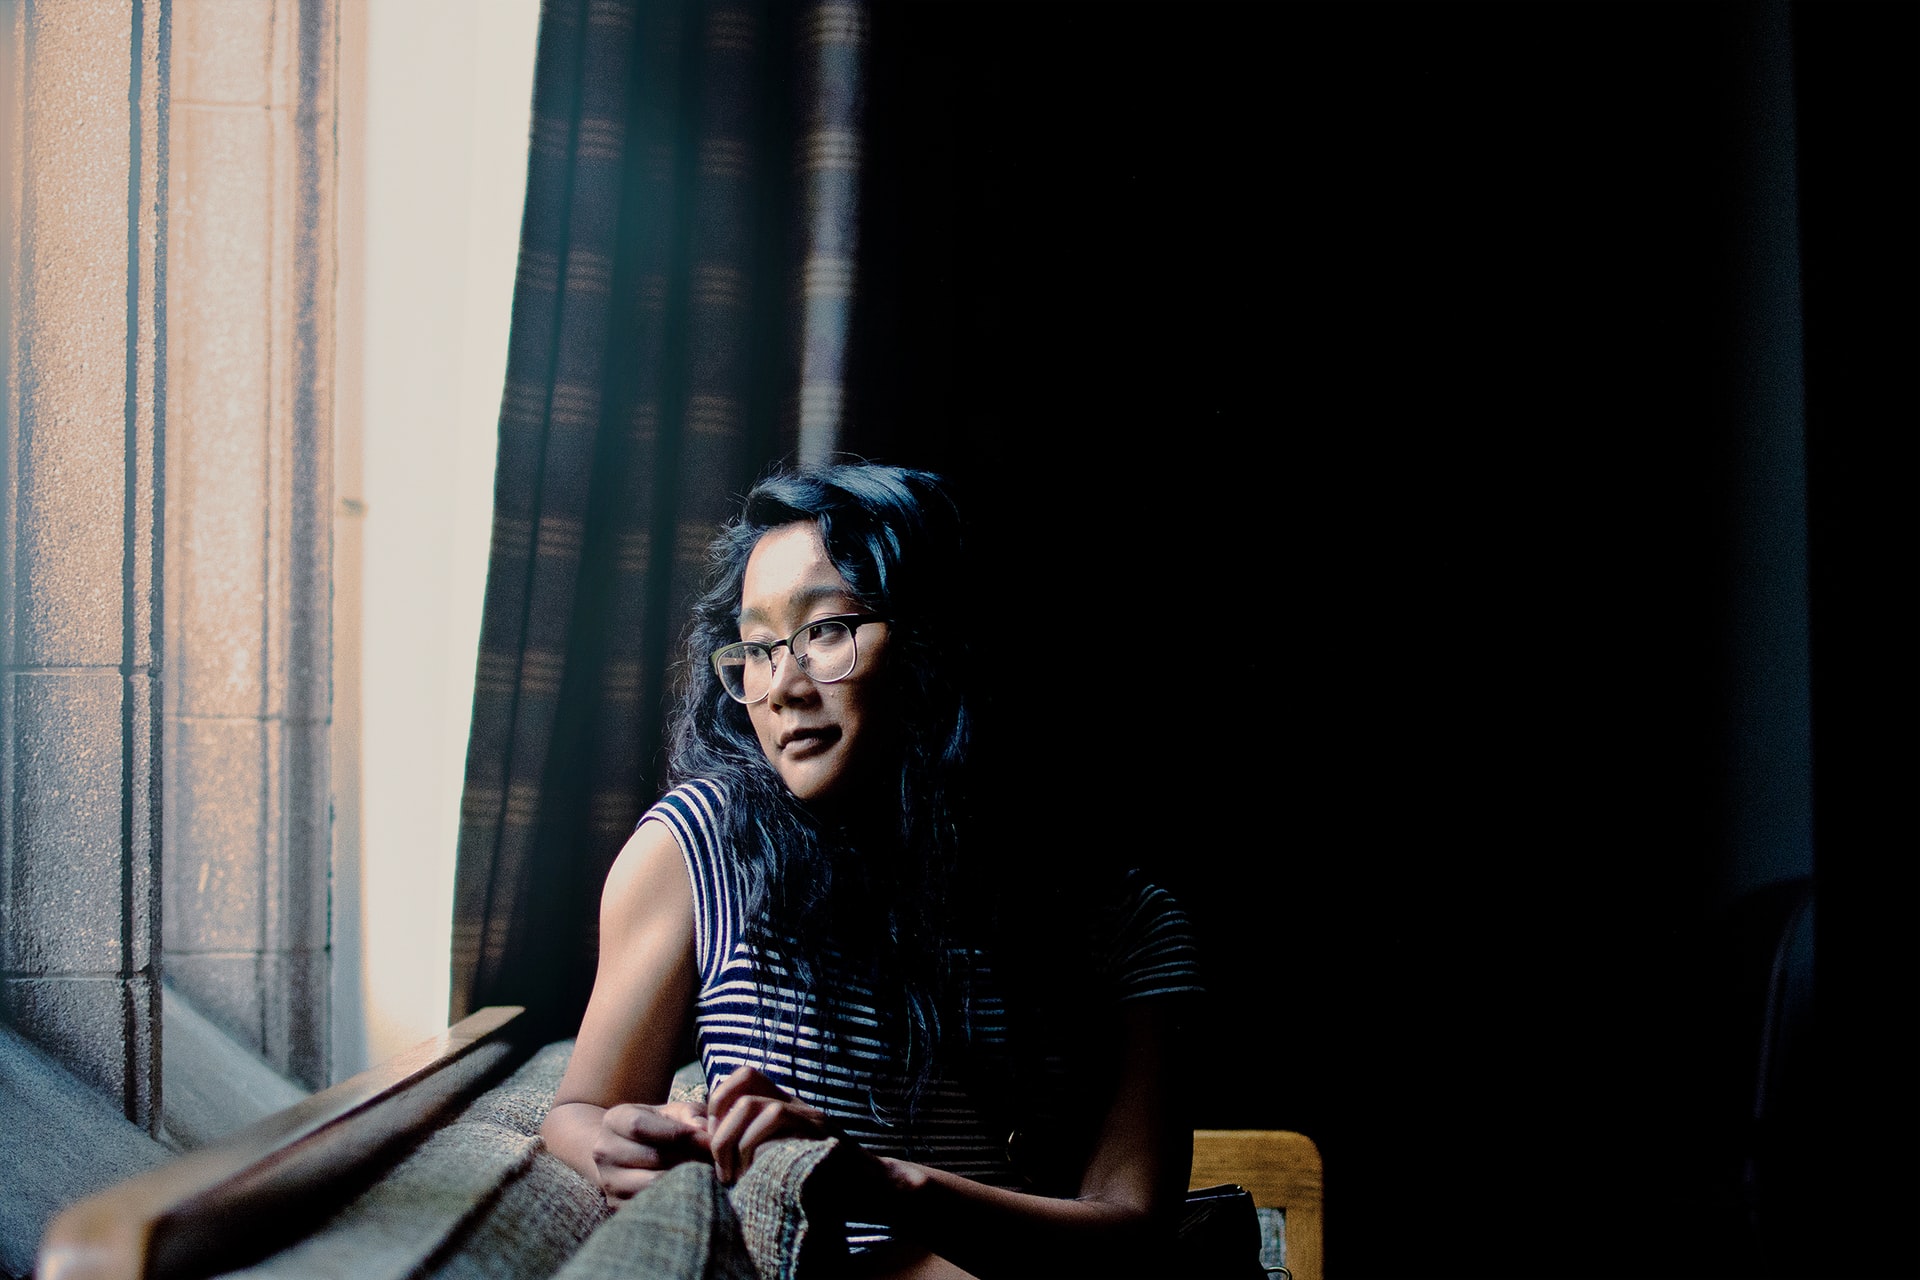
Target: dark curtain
point(678, 323)
point(1396, 413)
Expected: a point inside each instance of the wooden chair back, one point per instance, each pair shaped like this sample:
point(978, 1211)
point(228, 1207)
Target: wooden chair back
point(1282, 1170)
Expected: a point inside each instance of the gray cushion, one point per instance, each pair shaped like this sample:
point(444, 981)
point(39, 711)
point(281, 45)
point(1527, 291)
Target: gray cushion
point(683, 1227)
point(478, 1197)
point(535, 1224)
point(775, 1208)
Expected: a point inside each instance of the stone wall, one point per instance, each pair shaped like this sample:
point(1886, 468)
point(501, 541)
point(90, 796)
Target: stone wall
point(249, 490)
point(165, 489)
point(84, 254)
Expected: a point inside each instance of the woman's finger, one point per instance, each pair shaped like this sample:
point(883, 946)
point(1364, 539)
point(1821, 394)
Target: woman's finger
point(620, 1185)
point(730, 1156)
point(653, 1125)
point(754, 1120)
point(611, 1151)
point(742, 1082)
point(637, 1138)
point(789, 1121)
point(693, 1113)
point(725, 1134)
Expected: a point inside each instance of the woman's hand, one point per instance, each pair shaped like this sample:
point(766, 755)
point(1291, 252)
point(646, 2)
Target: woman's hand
point(747, 1109)
point(637, 1142)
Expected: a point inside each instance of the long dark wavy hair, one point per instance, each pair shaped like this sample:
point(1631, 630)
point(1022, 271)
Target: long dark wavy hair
point(881, 882)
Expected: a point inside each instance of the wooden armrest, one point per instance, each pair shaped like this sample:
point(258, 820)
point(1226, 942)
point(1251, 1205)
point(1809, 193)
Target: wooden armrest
point(233, 1202)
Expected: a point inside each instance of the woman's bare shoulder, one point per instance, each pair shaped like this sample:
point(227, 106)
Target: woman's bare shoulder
point(647, 884)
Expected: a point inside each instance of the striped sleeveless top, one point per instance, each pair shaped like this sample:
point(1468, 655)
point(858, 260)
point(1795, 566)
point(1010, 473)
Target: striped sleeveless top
point(749, 1014)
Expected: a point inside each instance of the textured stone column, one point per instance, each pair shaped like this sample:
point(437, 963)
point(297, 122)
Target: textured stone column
point(249, 490)
point(85, 149)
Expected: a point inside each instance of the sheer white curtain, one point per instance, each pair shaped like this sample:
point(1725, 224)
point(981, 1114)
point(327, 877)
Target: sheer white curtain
point(434, 162)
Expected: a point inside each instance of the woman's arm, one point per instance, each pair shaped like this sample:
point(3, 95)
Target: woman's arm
point(1134, 1181)
point(608, 1119)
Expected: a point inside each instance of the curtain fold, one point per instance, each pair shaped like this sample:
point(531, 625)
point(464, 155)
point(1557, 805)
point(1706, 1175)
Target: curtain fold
point(666, 315)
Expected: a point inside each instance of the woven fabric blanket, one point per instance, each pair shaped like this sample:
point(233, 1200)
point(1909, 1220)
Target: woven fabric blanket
point(687, 1226)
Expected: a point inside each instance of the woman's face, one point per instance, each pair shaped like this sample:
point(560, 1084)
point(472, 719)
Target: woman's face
point(816, 736)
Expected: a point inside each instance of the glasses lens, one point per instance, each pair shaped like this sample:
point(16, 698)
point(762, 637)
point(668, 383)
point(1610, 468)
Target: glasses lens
point(744, 670)
point(827, 651)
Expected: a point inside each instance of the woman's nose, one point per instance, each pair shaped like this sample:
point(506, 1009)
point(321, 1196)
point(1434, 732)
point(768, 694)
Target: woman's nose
point(790, 681)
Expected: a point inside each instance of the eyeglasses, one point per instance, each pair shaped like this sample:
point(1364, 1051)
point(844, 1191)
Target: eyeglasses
point(825, 649)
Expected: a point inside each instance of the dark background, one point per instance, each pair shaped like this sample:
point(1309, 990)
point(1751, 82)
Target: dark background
point(1365, 407)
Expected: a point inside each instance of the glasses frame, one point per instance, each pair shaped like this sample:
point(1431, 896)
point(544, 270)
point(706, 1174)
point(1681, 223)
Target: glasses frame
point(852, 621)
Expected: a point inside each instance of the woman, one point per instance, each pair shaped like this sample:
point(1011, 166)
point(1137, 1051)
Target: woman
point(861, 948)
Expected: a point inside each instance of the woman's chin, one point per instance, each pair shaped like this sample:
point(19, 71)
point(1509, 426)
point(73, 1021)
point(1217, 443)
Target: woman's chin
point(810, 783)
point(830, 789)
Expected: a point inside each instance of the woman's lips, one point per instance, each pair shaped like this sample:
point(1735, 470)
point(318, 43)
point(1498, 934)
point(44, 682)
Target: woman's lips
point(802, 742)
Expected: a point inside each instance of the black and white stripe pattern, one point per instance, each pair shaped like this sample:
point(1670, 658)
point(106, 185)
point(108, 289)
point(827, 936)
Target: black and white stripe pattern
point(755, 1016)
